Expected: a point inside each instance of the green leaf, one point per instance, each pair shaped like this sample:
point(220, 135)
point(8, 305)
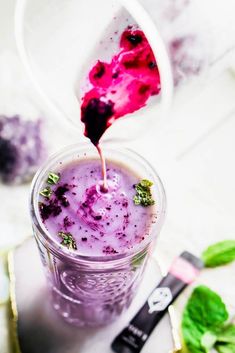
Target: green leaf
point(143, 195)
point(219, 254)
point(53, 178)
point(225, 347)
point(47, 192)
point(68, 240)
point(137, 200)
point(137, 260)
point(146, 183)
point(208, 340)
point(227, 334)
point(204, 312)
point(192, 334)
point(207, 308)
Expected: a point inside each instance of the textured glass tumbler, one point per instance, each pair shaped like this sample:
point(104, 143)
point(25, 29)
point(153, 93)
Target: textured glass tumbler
point(92, 290)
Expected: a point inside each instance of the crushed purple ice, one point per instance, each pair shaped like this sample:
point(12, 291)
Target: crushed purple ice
point(22, 149)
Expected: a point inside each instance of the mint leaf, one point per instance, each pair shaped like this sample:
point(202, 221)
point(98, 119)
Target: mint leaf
point(146, 183)
point(47, 192)
point(137, 260)
point(225, 348)
point(143, 195)
point(219, 254)
point(53, 178)
point(204, 312)
point(192, 334)
point(137, 200)
point(68, 240)
point(227, 334)
point(206, 307)
point(208, 340)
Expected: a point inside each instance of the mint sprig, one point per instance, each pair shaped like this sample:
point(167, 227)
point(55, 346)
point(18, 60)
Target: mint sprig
point(143, 195)
point(204, 324)
point(68, 240)
point(53, 178)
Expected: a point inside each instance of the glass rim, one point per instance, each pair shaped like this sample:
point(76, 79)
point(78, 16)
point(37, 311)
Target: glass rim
point(55, 246)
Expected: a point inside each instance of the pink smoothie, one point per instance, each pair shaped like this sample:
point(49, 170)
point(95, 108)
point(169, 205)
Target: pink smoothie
point(101, 223)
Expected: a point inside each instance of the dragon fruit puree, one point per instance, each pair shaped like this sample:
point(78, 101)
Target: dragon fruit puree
point(121, 86)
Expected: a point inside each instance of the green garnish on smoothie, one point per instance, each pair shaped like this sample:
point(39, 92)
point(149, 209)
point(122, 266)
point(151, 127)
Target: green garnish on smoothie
point(47, 192)
point(143, 195)
point(68, 240)
point(53, 178)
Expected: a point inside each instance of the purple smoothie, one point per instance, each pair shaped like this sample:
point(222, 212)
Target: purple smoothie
point(101, 223)
point(94, 277)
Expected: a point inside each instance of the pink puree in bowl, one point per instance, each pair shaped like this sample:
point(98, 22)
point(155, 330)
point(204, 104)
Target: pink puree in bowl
point(120, 87)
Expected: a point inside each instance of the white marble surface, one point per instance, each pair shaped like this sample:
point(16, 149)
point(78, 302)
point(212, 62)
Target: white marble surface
point(193, 151)
point(60, 337)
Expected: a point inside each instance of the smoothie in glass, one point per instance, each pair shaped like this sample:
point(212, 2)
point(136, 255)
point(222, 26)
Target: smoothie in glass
point(94, 243)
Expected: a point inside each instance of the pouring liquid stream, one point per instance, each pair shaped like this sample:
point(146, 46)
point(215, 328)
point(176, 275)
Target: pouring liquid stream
point(104, 170)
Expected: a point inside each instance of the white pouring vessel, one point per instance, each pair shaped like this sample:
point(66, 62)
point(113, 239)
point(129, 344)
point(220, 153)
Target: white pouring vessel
point(59, 41)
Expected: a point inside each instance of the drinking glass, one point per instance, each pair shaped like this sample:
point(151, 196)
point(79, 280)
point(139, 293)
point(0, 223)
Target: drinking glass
point(94, 290)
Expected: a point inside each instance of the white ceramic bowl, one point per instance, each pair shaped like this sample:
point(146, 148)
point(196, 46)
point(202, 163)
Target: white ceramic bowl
point(59, 39)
